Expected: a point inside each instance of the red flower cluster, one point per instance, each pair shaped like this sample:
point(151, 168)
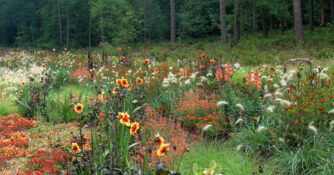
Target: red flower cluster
point(46, 162)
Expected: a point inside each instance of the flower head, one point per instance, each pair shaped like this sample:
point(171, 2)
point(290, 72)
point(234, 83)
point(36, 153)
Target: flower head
point(212, 62)
point(162, 150)
point(147, 61)
point(118, 82)
point(78, 108)
point(100, 96)
point(134, 128)
point(115, 91)
point(126, 119)
point(124, 83)
point(139, 81)
point(159, 140)
point(76, 148)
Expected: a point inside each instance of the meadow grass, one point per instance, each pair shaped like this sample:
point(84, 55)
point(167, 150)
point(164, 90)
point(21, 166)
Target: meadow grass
point(8, 106)
point(60, 109)
point(228, 159)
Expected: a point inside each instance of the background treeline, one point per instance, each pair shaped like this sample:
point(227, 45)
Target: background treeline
point(83, 23)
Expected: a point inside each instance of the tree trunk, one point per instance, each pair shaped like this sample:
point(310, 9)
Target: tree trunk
point(223, 31)
point(19, 35)
point(172, 25)
point(68, 25)
point(332, 12)
point(271, 22)
point(236, 21)
point(298, 22)
point(32, 35)
point(90, 32)
point(311, 15)
point(102, 26)
point(254, 19)
point(322, 13)
point(60, 26)
point(145, 20)
point(264, 26)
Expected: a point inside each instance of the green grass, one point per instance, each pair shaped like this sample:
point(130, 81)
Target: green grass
point(59, 107)
point(227, 158)
point(8, 107)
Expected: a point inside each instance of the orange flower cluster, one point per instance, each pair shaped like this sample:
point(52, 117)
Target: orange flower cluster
point(198, 100)
point(200, 110)
point(13, 139)
point(171, 132)
point(228, 72)
point(254, 79)
point(219, 74)
point(80, 72)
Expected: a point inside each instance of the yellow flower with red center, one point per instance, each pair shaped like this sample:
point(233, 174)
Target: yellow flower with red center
point(125, 83)
point(129, 87)
point(78, 108)
point(162, 150)
point(43, 65)
point(159, 140)
point(139, 81)
point(76, 148)
point(134, 128)
point(115, 91)
point(100, 96)
point(203, 56)
point(118, 82)
point(126, 119)
point(120, 115)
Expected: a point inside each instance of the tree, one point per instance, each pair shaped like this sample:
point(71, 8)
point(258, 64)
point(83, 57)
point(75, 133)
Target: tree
point(322, 13)
point(102, 26)
point(145, 20)
point(332, 11)
point(236, 21)
point(254, 16)
point(68, 25)
point(298, 22)
point(311, 15)
point(172, 21)
point(60, 26)
point(223, 31)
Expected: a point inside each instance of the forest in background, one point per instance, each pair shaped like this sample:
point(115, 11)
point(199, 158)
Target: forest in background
point(85, 23)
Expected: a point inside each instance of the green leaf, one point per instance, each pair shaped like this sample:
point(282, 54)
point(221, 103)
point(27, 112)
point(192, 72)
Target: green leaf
point(132, 145)
point(135, 110)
